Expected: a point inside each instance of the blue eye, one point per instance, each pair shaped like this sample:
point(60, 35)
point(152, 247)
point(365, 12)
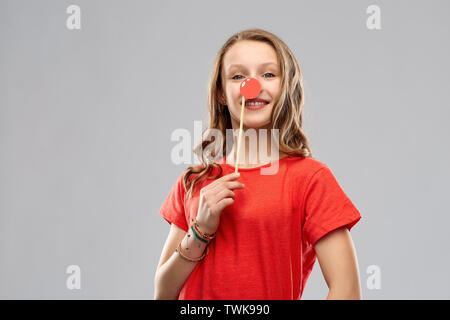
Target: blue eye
point(238, 75)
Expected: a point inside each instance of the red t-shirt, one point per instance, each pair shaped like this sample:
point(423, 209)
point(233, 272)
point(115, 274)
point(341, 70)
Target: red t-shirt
point(264, 246)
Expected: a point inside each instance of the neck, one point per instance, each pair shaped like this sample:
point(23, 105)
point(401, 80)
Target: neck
point(258, 147)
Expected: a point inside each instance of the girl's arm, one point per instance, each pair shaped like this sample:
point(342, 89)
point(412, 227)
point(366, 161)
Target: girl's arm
point(173, 270)
point(337, 258)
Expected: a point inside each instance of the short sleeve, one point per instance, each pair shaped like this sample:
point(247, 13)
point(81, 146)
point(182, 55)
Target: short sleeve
point(173, 208)
point(326, 206)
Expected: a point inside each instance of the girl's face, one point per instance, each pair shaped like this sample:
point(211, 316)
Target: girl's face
point(257, 60)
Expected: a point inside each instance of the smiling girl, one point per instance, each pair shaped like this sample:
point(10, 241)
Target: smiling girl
point(252, 235)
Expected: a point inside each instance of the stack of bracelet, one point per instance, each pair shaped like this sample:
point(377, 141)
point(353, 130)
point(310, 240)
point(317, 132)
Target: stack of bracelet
point(202, 235)
point(198, 235)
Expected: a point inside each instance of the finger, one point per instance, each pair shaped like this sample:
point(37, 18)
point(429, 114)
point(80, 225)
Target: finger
point(220, 183)
point(215, 186)
point(234, 185)
point(222, 194)
point(224, 203)
point(230, 177)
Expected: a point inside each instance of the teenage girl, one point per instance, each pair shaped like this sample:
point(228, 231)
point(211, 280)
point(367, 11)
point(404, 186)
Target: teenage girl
point(252, 235)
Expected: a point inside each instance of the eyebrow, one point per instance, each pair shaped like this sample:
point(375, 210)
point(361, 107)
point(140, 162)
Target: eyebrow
point(242, 66)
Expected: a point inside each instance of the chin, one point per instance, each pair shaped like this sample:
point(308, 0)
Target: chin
point(254, 121)
point(256, 124)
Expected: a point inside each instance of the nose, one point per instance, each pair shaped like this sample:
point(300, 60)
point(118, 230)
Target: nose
point(250, 88)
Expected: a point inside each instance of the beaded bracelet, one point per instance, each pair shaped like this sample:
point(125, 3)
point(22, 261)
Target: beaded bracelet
point(197, 237)
point(203, 235)
point(178, 249)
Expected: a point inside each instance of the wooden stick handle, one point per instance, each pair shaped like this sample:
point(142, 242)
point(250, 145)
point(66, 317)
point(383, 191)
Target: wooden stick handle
point(240, 135)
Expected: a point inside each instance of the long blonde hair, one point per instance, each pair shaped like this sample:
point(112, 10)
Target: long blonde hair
point(287, 114)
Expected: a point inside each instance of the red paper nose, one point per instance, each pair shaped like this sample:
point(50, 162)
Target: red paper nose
point(250, 88)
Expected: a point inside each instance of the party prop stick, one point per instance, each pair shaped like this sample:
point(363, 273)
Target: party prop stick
point(250, 88)
point(240, 135)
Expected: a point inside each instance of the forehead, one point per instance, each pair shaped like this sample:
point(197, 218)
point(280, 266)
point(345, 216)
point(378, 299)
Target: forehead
point(249, 54)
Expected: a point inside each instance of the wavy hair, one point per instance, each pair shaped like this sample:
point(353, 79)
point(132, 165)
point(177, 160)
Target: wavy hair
point(287, 114)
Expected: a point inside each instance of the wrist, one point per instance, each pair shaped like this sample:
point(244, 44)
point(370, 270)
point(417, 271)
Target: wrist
point(192, 249)
point(202, 232)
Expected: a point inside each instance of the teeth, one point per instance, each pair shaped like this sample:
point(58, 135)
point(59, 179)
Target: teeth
point(255, 103)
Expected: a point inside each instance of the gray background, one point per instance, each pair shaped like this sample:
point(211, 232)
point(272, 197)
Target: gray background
point(87, 115)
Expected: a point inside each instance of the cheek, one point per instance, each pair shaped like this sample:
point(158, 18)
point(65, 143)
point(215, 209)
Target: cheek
point(274, 88)
point(233, 89)
point(233, 96)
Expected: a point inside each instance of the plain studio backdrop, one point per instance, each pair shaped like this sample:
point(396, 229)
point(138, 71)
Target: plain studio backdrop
point(87, 116)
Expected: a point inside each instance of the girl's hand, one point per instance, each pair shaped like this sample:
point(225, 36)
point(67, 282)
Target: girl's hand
point(213, 199)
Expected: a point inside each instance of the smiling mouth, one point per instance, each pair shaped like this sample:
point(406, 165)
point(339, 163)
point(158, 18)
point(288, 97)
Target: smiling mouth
point(255, 101)
point(255, 105)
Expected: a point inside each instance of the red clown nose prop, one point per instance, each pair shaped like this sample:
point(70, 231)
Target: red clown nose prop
point(250, 88)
